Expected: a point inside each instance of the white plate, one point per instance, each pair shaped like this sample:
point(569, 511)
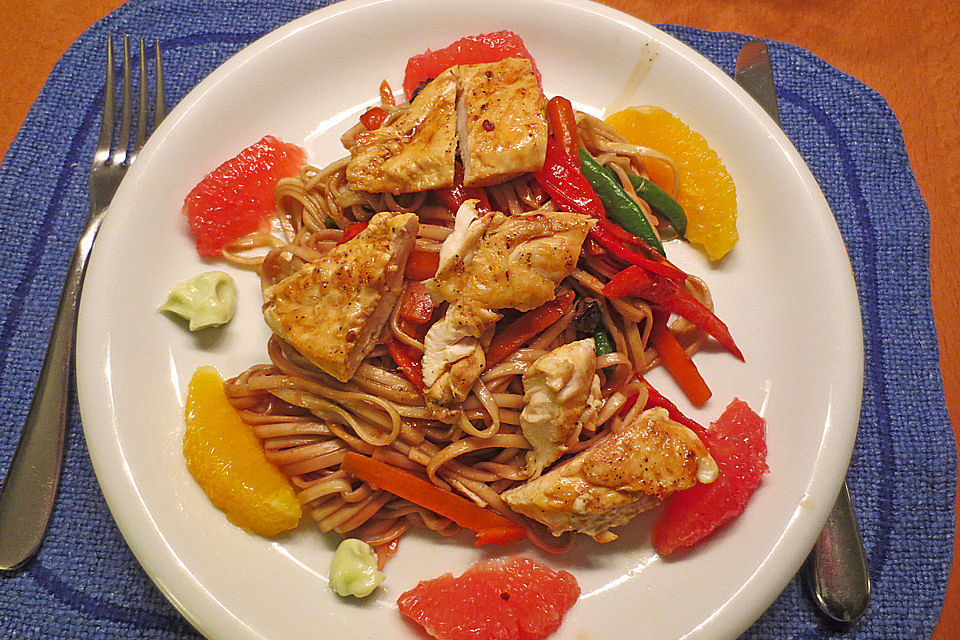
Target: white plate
point(786, 292)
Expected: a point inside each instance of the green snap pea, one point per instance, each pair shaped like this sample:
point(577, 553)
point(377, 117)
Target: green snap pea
point(603, 344)
point(661, 202)
point(618, 205)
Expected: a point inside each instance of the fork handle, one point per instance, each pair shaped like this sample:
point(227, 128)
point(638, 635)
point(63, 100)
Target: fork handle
point(29, 489)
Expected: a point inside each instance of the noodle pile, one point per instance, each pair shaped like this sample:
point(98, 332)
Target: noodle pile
point(308, 420)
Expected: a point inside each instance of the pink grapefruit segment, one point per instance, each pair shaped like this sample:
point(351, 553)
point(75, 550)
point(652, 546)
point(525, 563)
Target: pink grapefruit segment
point(737, 441)
point(512, 599)
point(486, 47)
point(236, 198)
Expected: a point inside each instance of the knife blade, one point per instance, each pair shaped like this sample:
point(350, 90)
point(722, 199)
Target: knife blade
point(836, 570)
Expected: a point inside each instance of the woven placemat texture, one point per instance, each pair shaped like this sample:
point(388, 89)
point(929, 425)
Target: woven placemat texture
point(85, 583)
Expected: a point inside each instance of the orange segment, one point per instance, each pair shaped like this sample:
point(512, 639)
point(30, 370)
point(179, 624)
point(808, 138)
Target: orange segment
point(226, 459)
point(707, 193)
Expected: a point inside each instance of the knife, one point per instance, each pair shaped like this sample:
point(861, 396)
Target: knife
point(836, 570)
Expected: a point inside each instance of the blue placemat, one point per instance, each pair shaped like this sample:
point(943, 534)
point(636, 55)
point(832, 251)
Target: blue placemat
point(85, 583)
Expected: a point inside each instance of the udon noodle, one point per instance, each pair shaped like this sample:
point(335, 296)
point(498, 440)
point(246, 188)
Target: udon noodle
point(307, 420)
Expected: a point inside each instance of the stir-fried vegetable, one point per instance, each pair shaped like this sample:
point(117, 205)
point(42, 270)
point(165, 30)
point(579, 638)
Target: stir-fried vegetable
point(456, 195)
point(373, 117)
point(634, 281)
point(618, 205)
point(563, 125)
point(657, 399)
point(352, 231)
point(677, 361)
point(563, 180)
point(417, 305)
point(409, 361)
point(661, 202)
point(603, 344)
point(526, 326)
point(422, 265)
point(489, 525)
point(603, 233)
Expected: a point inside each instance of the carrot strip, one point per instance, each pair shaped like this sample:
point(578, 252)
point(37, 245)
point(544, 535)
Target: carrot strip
point(563, 125)
point(677, 362)
point(386, 95)
point(526, 326)
point(489, 525)
point(372, 118)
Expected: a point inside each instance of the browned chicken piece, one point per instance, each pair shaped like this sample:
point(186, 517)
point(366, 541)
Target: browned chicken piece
point(453, 357)
point(501, 121)
point(488, 263)
point(333, 309)
point(622, 475)
point(499, 261)
point(414, 152)
point(557, 392)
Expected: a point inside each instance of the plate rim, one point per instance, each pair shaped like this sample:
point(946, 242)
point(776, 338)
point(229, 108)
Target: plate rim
point(189, 596)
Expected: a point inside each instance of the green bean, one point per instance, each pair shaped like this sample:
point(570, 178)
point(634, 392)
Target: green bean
point(619, 206)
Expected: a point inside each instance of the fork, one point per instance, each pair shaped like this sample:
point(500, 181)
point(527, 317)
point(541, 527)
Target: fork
point(28, 491)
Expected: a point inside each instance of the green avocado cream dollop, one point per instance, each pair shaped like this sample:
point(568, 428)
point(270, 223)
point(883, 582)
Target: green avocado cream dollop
point(206, 300)
point(353, 571)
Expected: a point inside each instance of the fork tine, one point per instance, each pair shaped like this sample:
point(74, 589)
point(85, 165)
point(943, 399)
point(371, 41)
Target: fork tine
point(123, 138)
point(160, 105)
point(141, 105)
point(106, 117)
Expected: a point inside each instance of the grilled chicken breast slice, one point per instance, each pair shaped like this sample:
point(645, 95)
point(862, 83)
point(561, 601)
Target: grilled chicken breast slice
point(333, 309)
point(622, 475)
point(453, 356)
point(501, 121)
point(414, 152)
point(501, 261)
point(487, 263)
point(557, 390)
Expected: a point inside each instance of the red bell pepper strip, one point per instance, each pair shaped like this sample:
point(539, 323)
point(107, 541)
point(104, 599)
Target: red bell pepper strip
point(563, 125)
point(422, 265)
point(456, 195)
point(409, 362)
point(563, 180)
point(352, 231)
point(489, 525)
point(593, 248)
point(629, 239)
point(657, 399)
point(373, 117)
point(514, 335)
point(634, 281)
point(677, 361)
point(601, 233)
point(417, 305)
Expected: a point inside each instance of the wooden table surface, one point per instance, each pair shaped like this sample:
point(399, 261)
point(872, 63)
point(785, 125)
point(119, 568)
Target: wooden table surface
point(870, 40)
